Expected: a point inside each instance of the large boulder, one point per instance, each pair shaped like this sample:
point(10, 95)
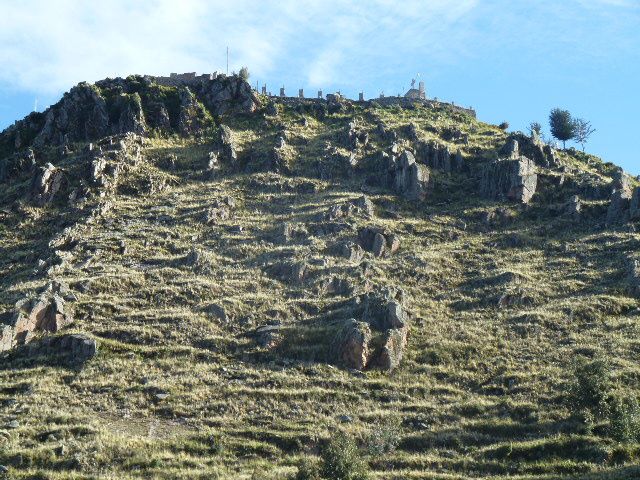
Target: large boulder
point(531, 147)
point(379, 339)
point(75, 349)
point(410, 179)
point(46, 313)
point(228, 95)
point(351, 345)
point(514, 179)
point(620, 201)
point(46, 184)
point(439, 157)
point(379, 241)
point(191, 118)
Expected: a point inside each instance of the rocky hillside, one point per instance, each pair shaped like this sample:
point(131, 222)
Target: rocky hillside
point(198, 282)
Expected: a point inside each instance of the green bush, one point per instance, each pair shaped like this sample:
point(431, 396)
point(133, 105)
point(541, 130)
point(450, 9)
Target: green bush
point(307, 470)
point(341, 460)
point(384, 437)
point(624, 419)
point(590, 389)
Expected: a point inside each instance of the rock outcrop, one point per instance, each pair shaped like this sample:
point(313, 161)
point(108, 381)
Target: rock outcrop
point(80, 116)
point(439, 157)
point(379, 338)
point(378, 241)
point(619, 210)
point(46, 313)
point(634, 207)
point(46, 184)
point(514, 179)
point(73, 349)
point(409, 179)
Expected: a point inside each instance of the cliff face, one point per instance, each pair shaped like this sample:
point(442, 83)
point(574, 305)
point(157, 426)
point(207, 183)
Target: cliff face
point(197, 282)
point(133, 105)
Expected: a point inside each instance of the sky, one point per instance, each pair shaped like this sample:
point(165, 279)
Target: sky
point(511, 60)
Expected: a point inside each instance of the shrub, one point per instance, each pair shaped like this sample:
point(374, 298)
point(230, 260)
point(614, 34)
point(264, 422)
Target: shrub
point(341, 460)
point(503, 126)
point(624, 419)
point(244, 73)
point(384, 437)
point(590, 389)
point(307, 470)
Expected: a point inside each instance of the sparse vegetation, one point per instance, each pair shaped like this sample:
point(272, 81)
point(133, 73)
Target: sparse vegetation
point(172, 279)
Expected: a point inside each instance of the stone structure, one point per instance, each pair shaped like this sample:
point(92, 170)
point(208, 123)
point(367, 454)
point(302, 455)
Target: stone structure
point(180, 79)
point(416, 93)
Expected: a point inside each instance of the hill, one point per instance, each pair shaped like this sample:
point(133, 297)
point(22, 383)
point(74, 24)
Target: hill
point(200, 282)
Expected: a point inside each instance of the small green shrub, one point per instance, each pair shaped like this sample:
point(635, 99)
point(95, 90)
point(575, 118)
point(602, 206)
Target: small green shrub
point(590, 389)
point(503, 126)
point(384, 437)
point(341, 460)
point(307, 470)
point(624, 419)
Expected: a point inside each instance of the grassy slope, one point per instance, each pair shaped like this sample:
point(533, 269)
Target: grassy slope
point(479, 393)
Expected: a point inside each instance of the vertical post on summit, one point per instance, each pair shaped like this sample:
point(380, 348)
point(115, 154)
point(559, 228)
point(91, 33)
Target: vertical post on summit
point(227, 60)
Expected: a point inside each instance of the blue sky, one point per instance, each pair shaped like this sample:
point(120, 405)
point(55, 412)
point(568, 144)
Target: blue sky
point(511, 60)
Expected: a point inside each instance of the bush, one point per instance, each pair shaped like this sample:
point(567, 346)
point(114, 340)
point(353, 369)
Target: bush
point(244, 73)
point(562, 125)
point(503, 126)
point(624, 419)
point(307, 470)
point(590, 389)
point(341, 460)
point(384, 437)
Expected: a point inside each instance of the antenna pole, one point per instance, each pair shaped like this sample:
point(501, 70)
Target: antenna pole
point(227, 60)
point(35, 105)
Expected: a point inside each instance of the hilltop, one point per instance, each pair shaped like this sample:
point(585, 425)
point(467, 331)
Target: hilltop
point(200, 281)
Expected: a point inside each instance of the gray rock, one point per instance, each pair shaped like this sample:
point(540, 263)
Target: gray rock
point(378, 241)
point(350, 347)
point(634, 207)
point(513, 179)
point(410, 180)
point(46, 184)
point(620, 201)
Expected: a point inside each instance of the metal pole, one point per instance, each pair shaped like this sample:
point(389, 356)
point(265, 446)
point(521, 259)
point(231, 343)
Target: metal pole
point(227, 60)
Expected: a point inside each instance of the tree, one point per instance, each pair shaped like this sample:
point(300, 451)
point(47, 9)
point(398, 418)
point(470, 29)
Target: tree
point(583, 131)
point(244, 73)
point(535, 129)
point(562, 126)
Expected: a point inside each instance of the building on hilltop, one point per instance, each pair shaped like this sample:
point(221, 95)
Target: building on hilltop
point(416, 93)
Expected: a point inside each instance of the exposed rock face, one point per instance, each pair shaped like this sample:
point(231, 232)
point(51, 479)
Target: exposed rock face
point(514, 179)
point(620, 203)
point(17, 164)
point(378, 241)
point(191, 115)
point(634, 208)
point(410, 180)
point(439, 157)
point(351, 251)
point(47, 313)
point(573, 207)
point(353, 137)
point(74, 348)
point(634, 277)
point(291, 273)
point(351, 346)
point(131, 118)
point(46, 184)
point(80, 116)
point(531, 147)
point(379, 339)
point(361, 206)
point(228, 95)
